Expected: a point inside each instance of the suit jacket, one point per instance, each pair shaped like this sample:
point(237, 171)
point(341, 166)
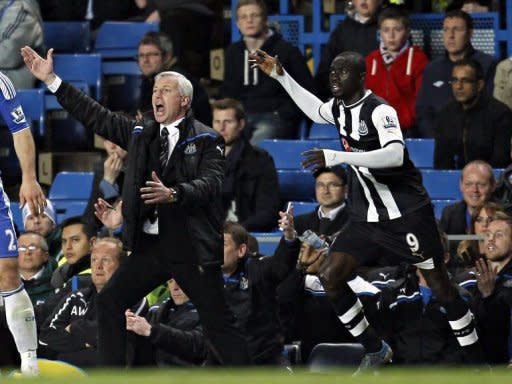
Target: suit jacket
point(453, 222)
point(190, 227)
point(312, 221)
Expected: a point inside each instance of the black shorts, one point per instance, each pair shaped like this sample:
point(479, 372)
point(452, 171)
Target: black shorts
point(413, 238)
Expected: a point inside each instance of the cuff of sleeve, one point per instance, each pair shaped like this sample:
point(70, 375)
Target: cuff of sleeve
point(54, 86)
point(332, 157)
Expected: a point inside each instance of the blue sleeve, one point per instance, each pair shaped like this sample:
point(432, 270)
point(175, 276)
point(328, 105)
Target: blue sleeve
point(10, 107)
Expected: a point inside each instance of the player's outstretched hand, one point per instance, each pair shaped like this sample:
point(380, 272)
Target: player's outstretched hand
point(41, 69)
point(32, 194)
point(266, 62)
point(313, 159)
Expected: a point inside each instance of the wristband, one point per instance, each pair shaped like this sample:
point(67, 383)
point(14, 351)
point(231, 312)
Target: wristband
point(332, 157)
point(55, 84)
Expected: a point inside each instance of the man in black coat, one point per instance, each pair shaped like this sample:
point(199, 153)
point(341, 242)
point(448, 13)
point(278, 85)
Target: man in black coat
point(251, 192)
point(172, 209)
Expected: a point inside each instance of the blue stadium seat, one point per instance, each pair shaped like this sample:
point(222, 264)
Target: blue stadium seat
point(323, 131)
point(439, 205)
point(442, 184)
point(120, 39)
point(16, 215)
point(33, 103)
point(302, 207)
point(296, 185)
point(287, 153)
point(68, 208)
point(267, 241)
point(67, 36)
point(421, 152)
point(71, 186)
point(122, 84)
point(80, 67)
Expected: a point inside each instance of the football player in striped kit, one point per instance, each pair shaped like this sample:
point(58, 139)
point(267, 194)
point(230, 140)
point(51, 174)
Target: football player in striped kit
point(390, 211)
point(18, 307)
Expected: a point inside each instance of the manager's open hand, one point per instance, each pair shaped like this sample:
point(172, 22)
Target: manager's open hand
point(313, 159)
point(41, 69)
point(265, 62)
point(155, 192)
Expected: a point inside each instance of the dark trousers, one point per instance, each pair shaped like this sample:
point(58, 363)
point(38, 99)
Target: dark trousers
point(145, 269)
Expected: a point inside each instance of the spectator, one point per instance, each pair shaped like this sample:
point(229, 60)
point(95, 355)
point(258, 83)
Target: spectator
point(330, 192)
point(20, 24)
point(503, 192)
point(491, 286)
point(357, 33)
point(270, 112)
point(108, 180)
point(477, 183)
point(155, 55)
point(435, 91)
point(170, 334)
point(250, 289)
point(473, 127)
point(468, 251)
point(46, 226)
point(250, 189)
point(395, 70)
point(70, 332)
point(36, 267)
point(503, 82)
point(96, 11)
point(77, 240)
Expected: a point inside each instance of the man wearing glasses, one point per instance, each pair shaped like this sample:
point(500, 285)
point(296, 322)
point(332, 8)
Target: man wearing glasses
point(475, 126)
point(155, 55)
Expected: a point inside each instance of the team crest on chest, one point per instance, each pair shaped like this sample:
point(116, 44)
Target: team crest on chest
point(190, 149)
point(363, 128)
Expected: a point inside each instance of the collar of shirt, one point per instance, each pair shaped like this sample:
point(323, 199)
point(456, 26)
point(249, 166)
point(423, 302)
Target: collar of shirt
point(36, 276)
point(332, 214)
point(174, 134)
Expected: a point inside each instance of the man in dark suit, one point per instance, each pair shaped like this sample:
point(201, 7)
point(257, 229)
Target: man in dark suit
point(477, 183)
point(172, 209)
point(330, 192)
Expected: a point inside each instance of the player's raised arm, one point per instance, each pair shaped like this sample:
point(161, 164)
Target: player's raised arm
point(312, 106)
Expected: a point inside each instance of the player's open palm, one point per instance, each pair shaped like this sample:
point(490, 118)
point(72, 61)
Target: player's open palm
point(266, 62)
point(41, 68)
point(313, 159)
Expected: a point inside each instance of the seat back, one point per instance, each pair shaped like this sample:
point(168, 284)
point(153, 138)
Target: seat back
point(323, 131)
point(67, 36)
point(442, 184)
point(120, 39)
point(71, 186)
point(327, 356)
point(296, 184)
point(421, 152)
point(80, 67)
point(65, 209)
point(303, 207)
point(267, 241)
point(439, 206)
point(33, 103)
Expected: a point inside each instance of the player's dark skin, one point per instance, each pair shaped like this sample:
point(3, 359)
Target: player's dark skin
point(346, 82)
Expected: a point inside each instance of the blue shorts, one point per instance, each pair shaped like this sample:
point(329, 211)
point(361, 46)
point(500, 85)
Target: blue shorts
point(8, 241)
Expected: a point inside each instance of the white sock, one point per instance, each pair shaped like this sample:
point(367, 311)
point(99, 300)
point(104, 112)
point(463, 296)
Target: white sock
point(21, 322)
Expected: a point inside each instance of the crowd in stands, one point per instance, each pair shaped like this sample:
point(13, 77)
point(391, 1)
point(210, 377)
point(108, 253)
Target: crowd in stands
point(461, 100)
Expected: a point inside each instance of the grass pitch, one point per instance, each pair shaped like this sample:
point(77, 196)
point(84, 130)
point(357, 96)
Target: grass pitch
point(432, 375)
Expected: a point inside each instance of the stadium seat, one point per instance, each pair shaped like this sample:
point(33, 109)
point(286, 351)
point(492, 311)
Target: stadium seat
point(421, 152)
point(327, 356)
point(67, 36)
point(296, 185)
point(34, 106)
point(303, 207)
point(442, 184)
point(122, 84)
point(267, 241)
point(439, 206)
point(120, 39)
point(68, 208)
point(323, 131)
point(16, 215)
point(80, 67)
point(71, 186)
point(287, 153)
